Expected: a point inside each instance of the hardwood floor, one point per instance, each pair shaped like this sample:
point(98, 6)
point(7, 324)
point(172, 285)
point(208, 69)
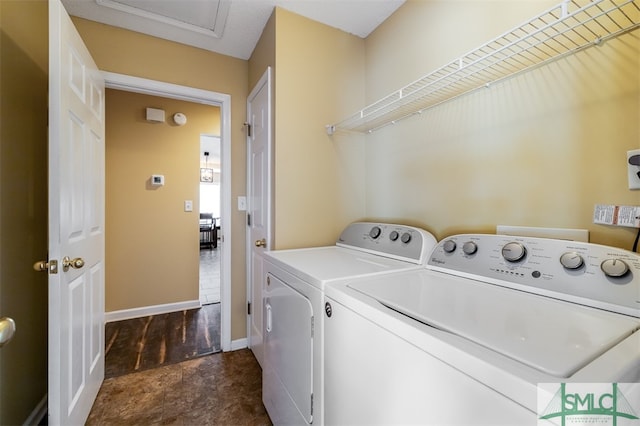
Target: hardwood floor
point(153, 341)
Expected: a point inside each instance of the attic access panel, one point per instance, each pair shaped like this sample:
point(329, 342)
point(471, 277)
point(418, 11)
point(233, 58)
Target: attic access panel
point(203, 16)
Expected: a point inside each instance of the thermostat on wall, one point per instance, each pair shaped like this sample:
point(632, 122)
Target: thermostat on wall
point(157, 180)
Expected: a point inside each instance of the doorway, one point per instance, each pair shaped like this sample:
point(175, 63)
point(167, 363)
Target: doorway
point(210, 219)
point(223, 101)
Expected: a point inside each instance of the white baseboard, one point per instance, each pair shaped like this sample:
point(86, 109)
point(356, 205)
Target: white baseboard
point(38, 413)
point(150, 310)
point(238, 344)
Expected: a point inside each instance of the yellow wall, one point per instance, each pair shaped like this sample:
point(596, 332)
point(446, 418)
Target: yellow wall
point(319, 181)
point(23, 204)
point(539, 149)
point(264, 55)
point(152, 244)
point(126, 52)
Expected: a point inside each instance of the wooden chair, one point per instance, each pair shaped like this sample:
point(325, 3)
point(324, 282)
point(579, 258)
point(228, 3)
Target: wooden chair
point(208, 231)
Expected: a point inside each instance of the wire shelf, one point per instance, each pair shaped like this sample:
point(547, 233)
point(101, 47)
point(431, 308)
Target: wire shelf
point(565, 29)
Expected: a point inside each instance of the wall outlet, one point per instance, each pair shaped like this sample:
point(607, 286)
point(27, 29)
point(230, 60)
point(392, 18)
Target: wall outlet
point(633, 168)
point(188, 205)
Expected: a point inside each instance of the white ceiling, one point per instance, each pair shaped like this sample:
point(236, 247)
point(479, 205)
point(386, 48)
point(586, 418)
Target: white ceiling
point(229, 27)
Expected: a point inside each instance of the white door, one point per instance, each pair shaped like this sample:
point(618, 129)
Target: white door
point(259, 203)
point(287, 378)
point(76, 223)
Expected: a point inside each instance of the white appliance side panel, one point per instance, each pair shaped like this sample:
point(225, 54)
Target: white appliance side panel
point(288, 350)
point(373, 377)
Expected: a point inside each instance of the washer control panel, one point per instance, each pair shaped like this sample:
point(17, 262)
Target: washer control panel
point(392, 240)
point(590, 274)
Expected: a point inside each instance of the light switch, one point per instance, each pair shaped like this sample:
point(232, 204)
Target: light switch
point(188, 205)
point(242, 203)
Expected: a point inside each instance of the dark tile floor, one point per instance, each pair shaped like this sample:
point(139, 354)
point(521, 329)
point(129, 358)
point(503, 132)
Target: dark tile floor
point(218, 389)
point(147, 384)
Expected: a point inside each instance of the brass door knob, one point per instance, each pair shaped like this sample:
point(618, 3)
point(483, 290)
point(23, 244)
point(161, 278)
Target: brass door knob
point(76, 263)
point(7, 330)
point(261, 243)
point(43, 265)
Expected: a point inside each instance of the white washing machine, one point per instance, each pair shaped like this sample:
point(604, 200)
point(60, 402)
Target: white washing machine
point(292, 378)
point(467, 339)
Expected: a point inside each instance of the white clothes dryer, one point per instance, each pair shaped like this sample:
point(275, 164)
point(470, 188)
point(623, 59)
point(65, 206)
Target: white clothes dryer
point(467, 339)
point(292, 378)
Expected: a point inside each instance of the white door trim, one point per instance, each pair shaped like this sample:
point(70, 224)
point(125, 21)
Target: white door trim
point(168, 90)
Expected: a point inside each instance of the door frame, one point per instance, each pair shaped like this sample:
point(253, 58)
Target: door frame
point(173, 91)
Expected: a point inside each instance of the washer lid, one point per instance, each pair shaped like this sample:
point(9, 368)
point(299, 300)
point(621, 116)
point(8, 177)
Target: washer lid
point(319, 265)
point(555, 337)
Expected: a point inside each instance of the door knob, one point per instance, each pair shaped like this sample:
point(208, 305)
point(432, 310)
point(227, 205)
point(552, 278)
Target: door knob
point(261, 243)
point(76, 263)
point(7, 330)
point(43, 265)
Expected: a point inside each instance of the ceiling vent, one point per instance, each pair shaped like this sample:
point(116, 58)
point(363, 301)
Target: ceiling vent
point(203, 16)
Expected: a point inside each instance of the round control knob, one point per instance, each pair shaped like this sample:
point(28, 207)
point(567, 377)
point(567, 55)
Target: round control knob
point(375, 232)
point(469, 247)
point(571, 260)
point(513, 251)
point(449, 246)
point(406, 237)
point(614, 267)
point(393, 236)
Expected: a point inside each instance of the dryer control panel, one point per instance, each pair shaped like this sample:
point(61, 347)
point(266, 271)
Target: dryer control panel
point(396, 241)
point(590, 274)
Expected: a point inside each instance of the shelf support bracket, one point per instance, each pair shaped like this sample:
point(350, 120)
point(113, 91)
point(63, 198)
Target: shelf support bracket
point(564, 8)
point(331, 129)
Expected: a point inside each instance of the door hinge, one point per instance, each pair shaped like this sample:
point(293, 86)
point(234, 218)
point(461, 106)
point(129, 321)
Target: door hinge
point(248, 308)
point(248, 219)
point(312, 404)
point(312, 327)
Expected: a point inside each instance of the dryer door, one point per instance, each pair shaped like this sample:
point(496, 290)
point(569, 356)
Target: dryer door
point(287, 382)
